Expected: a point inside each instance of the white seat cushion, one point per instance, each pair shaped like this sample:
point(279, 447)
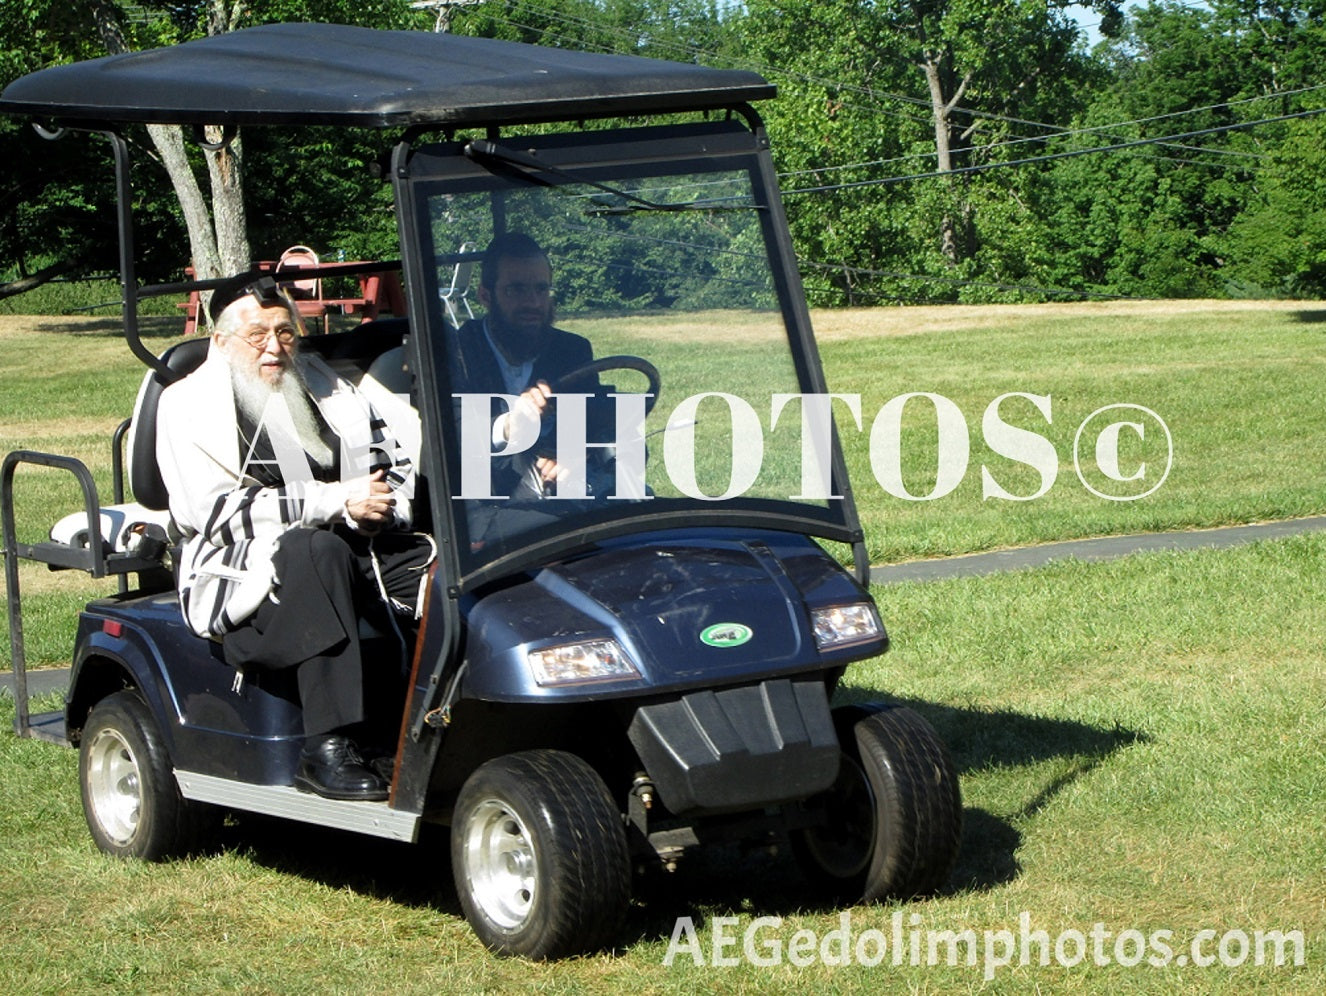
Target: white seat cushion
point(121, 527)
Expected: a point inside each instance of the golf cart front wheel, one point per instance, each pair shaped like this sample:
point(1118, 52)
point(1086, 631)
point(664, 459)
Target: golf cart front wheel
point(539, 854)
point(892, 822)
point(130, 800)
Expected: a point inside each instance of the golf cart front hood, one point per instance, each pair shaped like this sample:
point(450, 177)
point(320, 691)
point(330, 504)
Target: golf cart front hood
point(686, 612)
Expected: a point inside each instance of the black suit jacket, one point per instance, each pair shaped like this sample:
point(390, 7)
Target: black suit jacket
point(474, 370)
point(474, 367)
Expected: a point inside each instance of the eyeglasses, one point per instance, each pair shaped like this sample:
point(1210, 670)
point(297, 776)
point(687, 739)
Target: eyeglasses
point(523, 290)
point(257, 338)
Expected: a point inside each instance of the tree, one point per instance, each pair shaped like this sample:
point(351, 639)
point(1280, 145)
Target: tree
point(1173, 218)
point(911, 136)
point(57, 199)
point(680, 30)
point(1277, 244)
point(218, 238)
point(49, 225)
point(984, 62)
point(912, 88)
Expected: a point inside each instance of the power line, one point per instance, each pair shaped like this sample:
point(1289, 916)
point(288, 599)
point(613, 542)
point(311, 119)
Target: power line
point(699, 53)
point(1058, 131)
point(1049, 157)
point(934, 278)
point(1096, 129)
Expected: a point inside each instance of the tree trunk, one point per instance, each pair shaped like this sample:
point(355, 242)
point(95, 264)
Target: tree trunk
point(218, 241)
point(169, 140)
point(941, 108)
point(939, 112)
point(225, 166)
point(230, 222)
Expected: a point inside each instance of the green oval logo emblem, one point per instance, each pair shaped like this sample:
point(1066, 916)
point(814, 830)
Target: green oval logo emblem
point(726, 635)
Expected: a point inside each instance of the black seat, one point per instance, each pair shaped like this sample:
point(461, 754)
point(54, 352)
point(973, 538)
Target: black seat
point(359, 345)
point(144, 474)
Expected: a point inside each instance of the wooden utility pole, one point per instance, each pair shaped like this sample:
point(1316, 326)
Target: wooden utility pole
point(444, 9)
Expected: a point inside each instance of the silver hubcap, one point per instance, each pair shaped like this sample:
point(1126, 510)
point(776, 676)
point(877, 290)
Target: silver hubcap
point(114, 786)
point(500, 864)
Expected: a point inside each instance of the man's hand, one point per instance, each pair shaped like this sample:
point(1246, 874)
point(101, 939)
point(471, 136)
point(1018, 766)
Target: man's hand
point(377, 510)
point(550, 470)
point(530, 405)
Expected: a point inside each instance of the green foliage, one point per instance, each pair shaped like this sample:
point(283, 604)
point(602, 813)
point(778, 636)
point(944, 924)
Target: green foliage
point(59, 197)
point(48, 206)
point(854, 136)
point(680, 30)
point(859, 109)
point(1277, 244)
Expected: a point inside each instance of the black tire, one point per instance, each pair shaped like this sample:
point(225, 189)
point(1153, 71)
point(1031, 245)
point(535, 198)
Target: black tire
point(130, 800)
point(892, 823)
point(539, 855)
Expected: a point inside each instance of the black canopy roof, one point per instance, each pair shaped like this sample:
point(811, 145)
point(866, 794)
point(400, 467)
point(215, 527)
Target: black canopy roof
point(337, 74)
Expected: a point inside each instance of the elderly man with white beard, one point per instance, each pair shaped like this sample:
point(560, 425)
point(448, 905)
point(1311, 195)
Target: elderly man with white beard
point(292, 490)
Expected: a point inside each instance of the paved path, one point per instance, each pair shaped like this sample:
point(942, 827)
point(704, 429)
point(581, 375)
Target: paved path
point(47, 679)
point(1105, 548)
point(970, 565)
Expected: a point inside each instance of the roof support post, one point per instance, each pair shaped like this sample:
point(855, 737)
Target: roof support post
point(128, 275)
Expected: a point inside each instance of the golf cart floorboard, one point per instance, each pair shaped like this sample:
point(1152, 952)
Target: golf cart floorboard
point(374, 818)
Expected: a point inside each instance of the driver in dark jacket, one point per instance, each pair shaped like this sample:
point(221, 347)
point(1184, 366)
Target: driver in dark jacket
point(515, 349)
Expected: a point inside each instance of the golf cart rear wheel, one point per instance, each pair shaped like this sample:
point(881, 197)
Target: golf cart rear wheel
point(892, 823)
point(130, 800)
point(539, 855)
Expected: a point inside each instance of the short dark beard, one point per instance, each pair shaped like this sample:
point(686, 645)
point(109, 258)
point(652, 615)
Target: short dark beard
point(516, 346)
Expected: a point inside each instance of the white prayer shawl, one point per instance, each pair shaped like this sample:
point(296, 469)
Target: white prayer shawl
point(230, 524)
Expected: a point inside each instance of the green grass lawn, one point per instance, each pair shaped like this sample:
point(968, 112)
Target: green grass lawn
point(1239, 392)
point(1139, 741)
point(1139, 744)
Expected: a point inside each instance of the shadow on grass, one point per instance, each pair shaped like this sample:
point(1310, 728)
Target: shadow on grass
point(149, 327)
point(980, 740)
point(1310, 317)
point(730, 881)
point(759, 879)
point(413, 875)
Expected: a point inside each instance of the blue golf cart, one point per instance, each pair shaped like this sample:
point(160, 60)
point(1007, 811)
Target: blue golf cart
point(610, 672)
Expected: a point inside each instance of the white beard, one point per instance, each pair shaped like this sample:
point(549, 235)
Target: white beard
point(252, 395)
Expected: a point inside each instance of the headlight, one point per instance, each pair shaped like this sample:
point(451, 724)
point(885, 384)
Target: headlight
point(845, 625)
point(592, 660)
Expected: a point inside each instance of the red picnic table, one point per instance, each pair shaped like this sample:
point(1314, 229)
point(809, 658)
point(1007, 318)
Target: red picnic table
point(378, 292)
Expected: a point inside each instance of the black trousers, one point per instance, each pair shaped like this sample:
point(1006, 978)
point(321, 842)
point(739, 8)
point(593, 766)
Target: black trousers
point(326, 584)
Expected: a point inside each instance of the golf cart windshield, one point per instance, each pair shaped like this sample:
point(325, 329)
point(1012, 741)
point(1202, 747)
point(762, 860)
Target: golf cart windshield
point(667, 244)
point(662, 267)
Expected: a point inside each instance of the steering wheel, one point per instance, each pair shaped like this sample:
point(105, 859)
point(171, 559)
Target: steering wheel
point(623, 362)
point(568, 381)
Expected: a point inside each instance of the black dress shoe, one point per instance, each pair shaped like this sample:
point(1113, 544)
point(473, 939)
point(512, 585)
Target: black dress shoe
point(332, 768)
point(381, 762)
